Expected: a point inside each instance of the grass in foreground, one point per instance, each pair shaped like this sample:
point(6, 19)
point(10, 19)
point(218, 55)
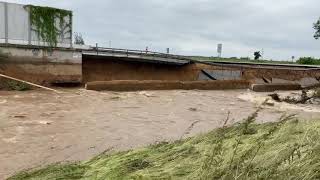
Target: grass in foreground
point(288, 149)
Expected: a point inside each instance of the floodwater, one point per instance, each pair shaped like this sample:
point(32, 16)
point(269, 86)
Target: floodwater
point(40, 127)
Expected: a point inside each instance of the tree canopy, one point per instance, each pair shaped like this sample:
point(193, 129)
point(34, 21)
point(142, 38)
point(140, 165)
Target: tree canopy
point(257, 55)
point(316, 26)
point(78, 39)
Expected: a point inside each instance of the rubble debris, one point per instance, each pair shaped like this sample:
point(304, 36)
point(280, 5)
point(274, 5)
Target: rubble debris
point(303, 98)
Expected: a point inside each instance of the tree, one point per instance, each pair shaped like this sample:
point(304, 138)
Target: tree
point(78, 39)
point(257, 55)
point(316, 26)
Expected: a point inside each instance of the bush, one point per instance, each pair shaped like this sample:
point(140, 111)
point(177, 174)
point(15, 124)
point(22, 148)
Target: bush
point(17, 86)
point(309, 61)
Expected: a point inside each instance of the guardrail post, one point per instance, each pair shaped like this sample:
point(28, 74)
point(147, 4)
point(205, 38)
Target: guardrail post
point(71, 31)
point(97, 48)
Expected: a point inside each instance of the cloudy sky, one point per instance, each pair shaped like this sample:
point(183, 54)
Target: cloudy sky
point(282, 28)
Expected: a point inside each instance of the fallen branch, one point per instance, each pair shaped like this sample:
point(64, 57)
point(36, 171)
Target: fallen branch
point(32, 84)
point(189, 129)
point(227, 120)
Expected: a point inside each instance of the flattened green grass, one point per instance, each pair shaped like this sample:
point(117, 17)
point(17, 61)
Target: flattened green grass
point(288, 149)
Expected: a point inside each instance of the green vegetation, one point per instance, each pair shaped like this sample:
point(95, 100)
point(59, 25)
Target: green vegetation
point(14, 85)
point(302, 60)
point(309, 60)
point(257, 55)
point(235, 59)
point(44, 20)
point(316, 26)
point(78, 39)
point(288, 149)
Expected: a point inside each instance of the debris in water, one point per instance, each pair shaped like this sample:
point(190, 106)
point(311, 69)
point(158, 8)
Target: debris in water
point(302, 98)
point(275, 97)
point(115, 98)
point(146, 94)
point(193, 109)
point(19, 116)
point(45, 122)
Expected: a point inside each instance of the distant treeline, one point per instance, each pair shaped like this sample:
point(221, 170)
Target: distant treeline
point(309, 60)
point(302, 60)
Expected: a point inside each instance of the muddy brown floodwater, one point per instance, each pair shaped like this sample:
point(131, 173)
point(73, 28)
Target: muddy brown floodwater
point(39, 127)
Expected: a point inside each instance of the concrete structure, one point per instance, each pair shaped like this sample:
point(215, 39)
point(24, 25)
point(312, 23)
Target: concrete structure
point(166, 85)
point(41, 65)
point(16, 27)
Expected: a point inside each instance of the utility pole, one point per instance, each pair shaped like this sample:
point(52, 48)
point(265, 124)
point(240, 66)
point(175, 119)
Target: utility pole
point(219, 50)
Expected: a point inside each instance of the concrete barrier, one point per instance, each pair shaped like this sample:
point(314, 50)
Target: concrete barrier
point(275, 87)
point(166, 85)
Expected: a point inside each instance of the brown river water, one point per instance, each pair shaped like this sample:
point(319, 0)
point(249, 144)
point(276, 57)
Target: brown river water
point(40, 127)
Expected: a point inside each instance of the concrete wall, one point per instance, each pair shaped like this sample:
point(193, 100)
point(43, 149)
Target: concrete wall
point(134, 85)
point(40, 65)
point(40, 54)
point(15, 20)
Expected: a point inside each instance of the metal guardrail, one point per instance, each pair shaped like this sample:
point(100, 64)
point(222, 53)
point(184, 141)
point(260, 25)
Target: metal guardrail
point(102, 50)
point(261, 65)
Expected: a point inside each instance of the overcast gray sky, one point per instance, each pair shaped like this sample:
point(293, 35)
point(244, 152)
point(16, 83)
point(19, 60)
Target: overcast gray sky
point(283, 28)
